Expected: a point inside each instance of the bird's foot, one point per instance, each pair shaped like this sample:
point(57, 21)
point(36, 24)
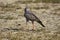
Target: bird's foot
point(32, 30)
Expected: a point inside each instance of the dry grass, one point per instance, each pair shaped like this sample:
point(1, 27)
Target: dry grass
point(29, 35)
point(13, 25)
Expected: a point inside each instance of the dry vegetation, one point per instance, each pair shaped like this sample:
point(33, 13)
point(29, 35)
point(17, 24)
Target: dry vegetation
point(13, 25)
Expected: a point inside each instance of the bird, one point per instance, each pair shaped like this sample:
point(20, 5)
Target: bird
point(31, 17)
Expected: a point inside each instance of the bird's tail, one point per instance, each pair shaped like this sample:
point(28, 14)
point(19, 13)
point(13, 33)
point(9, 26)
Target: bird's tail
point(40, 23)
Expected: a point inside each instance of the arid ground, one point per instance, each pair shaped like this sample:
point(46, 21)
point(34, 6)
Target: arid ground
point(13, 23)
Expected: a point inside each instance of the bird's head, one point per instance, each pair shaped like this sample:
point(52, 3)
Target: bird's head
point(26, 8)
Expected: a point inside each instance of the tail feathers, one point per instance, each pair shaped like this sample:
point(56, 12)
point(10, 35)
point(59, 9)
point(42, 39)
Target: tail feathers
point(40, 23)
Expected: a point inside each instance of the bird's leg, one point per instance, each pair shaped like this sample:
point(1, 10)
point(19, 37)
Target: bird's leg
point(26, 23)
point(33, 24)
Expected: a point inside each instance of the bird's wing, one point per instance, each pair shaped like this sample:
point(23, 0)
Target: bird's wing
point(35, 17)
